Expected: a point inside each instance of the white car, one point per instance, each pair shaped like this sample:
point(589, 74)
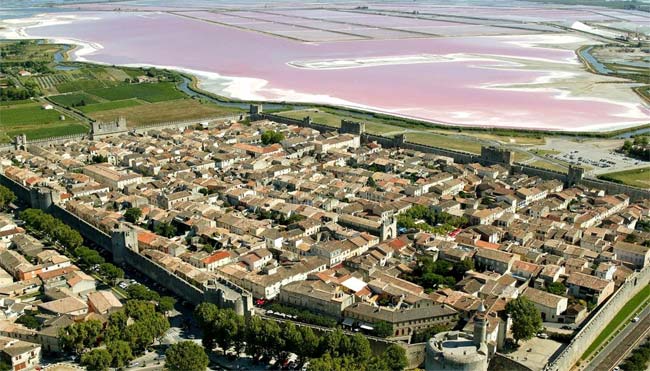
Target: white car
point(635, 319)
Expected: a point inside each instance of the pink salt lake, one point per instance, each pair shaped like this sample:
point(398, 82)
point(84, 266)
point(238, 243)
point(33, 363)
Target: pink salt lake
point(448, 92)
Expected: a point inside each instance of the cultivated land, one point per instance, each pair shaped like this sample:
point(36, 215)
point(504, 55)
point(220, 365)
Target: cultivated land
point(84, 92)
point(180, 109)
point(29, 118)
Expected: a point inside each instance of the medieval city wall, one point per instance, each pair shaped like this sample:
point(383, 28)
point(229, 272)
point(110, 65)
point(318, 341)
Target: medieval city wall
point(597, 322)
point(164, 277)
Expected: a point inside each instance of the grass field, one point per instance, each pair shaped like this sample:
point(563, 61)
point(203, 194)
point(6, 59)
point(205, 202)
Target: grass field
point(444, 141)
point(35, 122)
point(73, 99)
point(9, 103)
point(637, 177)
point(549, 166)
point(620, 317)
point(180, 109)
point(544, 152)
point(149, 92)
point(522, 156)
point(27, 115)
point(106, 106)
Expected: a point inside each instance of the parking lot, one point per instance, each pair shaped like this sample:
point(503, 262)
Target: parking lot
point(599, 156)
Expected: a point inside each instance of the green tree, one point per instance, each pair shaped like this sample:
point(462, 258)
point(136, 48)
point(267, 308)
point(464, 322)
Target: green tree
point(331, 343)
point(359, 348)
point(120, 353)
point(383, 329)
point(395, 358)
point(166, 304)
point(6, 197)
point(186, 356)
point(96, 360)
point(272, 137)
point(132, 214)
point(309, 343)
point(79, 336)
point(111, 272)
point(29, 321)
point(459, 268)
point(165, 230)
point(98, 159)
point(526, 320)
point(141, 292)
point(556, 288)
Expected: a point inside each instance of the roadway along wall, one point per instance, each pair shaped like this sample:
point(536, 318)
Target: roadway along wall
point(596, 324)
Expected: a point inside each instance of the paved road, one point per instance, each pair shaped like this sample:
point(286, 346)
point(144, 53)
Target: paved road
point(618, 348)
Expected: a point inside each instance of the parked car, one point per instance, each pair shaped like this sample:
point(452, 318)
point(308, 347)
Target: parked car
point(542, 335)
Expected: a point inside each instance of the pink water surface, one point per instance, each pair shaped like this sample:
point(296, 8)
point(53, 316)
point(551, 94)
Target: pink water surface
point(445, 92)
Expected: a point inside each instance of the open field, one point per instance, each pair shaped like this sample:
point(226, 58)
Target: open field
point(444, 141)
point(15, 102)
point(28, 115)
point(636, 177)
point(549, 166)
point(35, 122)
point(180, 109)
point(79, 85)
point(149, 92)
point(106, 106)
point(74, 99)
point(622, 316)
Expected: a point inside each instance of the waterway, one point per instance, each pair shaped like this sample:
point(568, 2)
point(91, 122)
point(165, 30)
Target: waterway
point(593, 62)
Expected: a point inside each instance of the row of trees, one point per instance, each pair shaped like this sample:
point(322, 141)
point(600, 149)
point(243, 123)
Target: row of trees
point(52, 228)
point(164, 304)
point(639, 148)
point(266, 339)
point(127, 334)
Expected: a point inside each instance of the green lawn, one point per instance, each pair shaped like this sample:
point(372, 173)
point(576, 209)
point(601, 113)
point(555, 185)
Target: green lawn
point(444, 141)
point(149, 92)
point(40, 131)
point(623, 315)
point(150, 113)
point(74, 99)
point(105, 106)
point(35, 122)
point(27, 114)
point(549, 166)
point(637, 177)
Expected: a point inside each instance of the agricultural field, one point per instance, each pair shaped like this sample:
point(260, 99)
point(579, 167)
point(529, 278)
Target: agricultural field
point(636, 177)
point(149, 92)
point(74, 99)
point(31, 119)
point(107, 106)
point(444, 141)
point(180, 109)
